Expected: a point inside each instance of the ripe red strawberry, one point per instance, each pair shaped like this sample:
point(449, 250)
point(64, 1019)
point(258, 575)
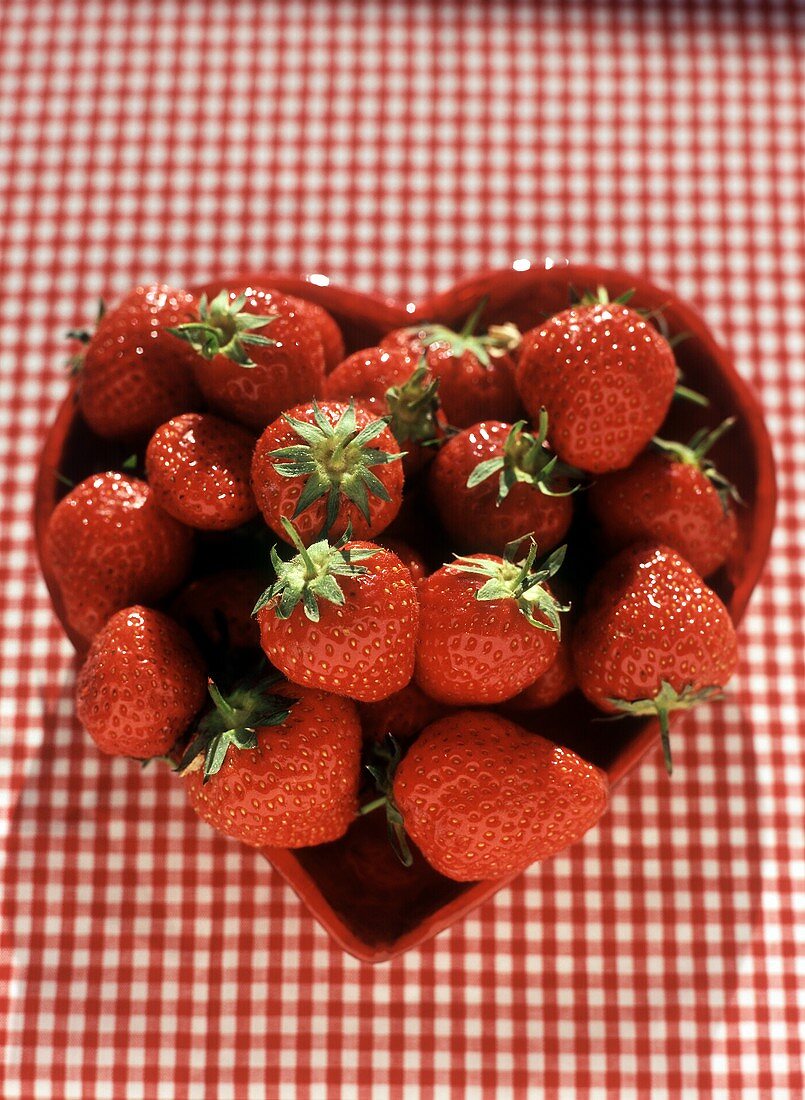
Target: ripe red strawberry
point(674, 495)
point(489, 626)
point(653, 638)
point(332, 341)
point(554, 684)
point(218, 607)
point(367, 375)
point(403, 715)
point(388, 382)
point(134, 373)
point(258, 354)
point(109, 545)
point(198, 467)
point(141, 685)
point(475, 373)
point(495, 482)
point(606, 378)
point(329, 467)
point(341, 617)
point(483, 798)
point(411, 559)
point(276, 765)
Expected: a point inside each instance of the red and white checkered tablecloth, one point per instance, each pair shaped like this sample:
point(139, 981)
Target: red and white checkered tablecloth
point(397, 146)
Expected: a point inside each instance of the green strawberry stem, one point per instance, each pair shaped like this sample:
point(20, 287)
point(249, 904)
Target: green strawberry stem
point(600, 297)
point(311, 575)
point(667, 700)
point(310, 568)
point(468, 328)
point(521, 581)
point(223, 328)
point(526, 460)
point(335, 460)
point(665, 739)
point(496, 342)
point(381, 767)
point(233, 722)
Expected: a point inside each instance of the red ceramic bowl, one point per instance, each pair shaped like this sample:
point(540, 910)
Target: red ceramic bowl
point(370, 905)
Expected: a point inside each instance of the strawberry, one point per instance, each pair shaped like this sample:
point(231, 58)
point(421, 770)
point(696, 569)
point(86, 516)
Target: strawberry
point(198, 467)
point(332, 341)
point(556, 682)
point(134, 374)
point(257, 354)
point(489, 626)
point(141, 685)
point(483, 798)
point(218, 607)
point(674, 495)
point(495, 482)
point(653, 638)
point(341, 617)
point(367, 375)
point(389, 384)
point(411, 558)
point(275, 764)
point(109, 545)
point(403, 715)
point(606, 378)
point(475, 373)
point(329, 467)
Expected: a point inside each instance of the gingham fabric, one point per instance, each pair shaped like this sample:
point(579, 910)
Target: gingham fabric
point(397, 147)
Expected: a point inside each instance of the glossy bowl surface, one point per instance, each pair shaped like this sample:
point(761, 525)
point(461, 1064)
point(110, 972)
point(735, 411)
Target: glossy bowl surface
point(373, 907)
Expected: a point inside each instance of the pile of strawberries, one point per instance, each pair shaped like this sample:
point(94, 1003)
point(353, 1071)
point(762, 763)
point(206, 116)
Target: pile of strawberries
point(331, 569)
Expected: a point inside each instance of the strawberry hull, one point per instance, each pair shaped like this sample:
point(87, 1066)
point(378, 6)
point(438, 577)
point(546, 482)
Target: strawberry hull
point(373, 907)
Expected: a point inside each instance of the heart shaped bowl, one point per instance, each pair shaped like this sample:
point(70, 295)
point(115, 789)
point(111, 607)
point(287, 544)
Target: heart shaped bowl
point(373, 907)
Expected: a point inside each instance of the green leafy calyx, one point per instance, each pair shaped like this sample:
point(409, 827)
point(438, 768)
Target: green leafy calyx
point(335, 460)
point(600, 297)
point(382, 766)
point(311, 575)
point(694, 453)
point(234, 721)
point(496, 342)
point(526, 460)
point(223, 328)
point(522, 581)
point(667, 700)
point(413, 408)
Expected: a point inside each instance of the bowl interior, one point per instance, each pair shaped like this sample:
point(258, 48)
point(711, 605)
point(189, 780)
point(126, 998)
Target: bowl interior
point(366, 900)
